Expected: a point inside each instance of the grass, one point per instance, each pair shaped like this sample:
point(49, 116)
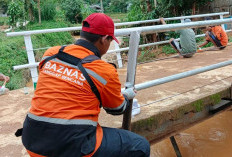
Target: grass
point(12, 51)
point(145, 55)
point(167, 49)
point(230, 38)
point(3, 21)
point(121, 16)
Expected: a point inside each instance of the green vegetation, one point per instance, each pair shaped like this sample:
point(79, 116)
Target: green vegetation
point(167, 49)
point(145, 55)
point(12, 51)
point(120, 16)
point(198, 105)
point(15, 12)
point(48, 10)
point(216, 98)
point(144, 10)
point(3, 21)
point(230, 38)
point(75, 10)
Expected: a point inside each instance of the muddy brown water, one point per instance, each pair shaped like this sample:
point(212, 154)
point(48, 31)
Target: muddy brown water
point(211, 138)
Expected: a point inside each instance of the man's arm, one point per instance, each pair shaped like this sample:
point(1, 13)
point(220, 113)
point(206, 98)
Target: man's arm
point(4, 78)
point(203, 44)
point(162, 21)
point(114, 101)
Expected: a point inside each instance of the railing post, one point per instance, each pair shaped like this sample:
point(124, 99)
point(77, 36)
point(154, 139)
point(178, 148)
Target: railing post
point(119, 58)
point(182, 20)
point(131, 72)
point(31, 59)
point(223, 25)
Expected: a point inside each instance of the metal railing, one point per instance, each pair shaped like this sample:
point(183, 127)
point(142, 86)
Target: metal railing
point(26, 33)
point(181, 18)
point(29, 46)
point(18, 67)
point(120, 32)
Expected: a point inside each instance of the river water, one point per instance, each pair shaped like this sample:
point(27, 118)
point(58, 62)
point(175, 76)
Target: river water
point(211, 138)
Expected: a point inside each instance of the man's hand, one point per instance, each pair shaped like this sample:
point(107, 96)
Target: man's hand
point(130, 92)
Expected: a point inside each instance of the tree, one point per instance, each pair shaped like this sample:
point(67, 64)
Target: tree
point(4, 5)
point(76, 10)
point(39, 11)
point(169, 8)
point(15, 12)
point(153, 9)
point(29, 7)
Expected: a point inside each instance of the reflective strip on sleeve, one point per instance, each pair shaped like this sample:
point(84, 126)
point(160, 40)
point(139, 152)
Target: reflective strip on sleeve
point(90, 72)
point(63, 121)
point(95, 75)
point(45, 58)
point(118, 110)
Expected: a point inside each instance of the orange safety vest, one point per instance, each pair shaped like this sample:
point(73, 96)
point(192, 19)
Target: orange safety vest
point(64, 97)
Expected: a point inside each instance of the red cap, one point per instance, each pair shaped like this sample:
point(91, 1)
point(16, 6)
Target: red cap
point(101, 24)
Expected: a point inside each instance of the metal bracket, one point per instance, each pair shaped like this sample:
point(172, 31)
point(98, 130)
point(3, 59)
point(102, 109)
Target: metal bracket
point(175, 146)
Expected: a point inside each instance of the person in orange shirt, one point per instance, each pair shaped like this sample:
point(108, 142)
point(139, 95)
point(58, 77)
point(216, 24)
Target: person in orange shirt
point(216, 35)
point(73, 84)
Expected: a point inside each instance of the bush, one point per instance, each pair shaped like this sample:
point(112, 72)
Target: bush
point(135, 14)
point(72, 9)
point(15, 12)
point(12, 53)
point(76, 10)
point(48, 10)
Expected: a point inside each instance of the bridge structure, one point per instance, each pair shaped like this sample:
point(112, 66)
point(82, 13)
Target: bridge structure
point(156, 124)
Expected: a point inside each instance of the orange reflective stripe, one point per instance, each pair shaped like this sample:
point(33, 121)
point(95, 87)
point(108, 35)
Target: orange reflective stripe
point(34, 154)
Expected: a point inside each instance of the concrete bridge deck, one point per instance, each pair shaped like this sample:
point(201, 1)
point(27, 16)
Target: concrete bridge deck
point(190, 104)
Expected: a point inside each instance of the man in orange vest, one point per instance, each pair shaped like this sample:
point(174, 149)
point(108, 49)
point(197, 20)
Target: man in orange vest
point(74, 83)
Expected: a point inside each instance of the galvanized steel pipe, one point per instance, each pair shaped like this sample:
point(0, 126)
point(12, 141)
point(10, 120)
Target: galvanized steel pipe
point(180, 75)
point(170, 18)
point(170, 27)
